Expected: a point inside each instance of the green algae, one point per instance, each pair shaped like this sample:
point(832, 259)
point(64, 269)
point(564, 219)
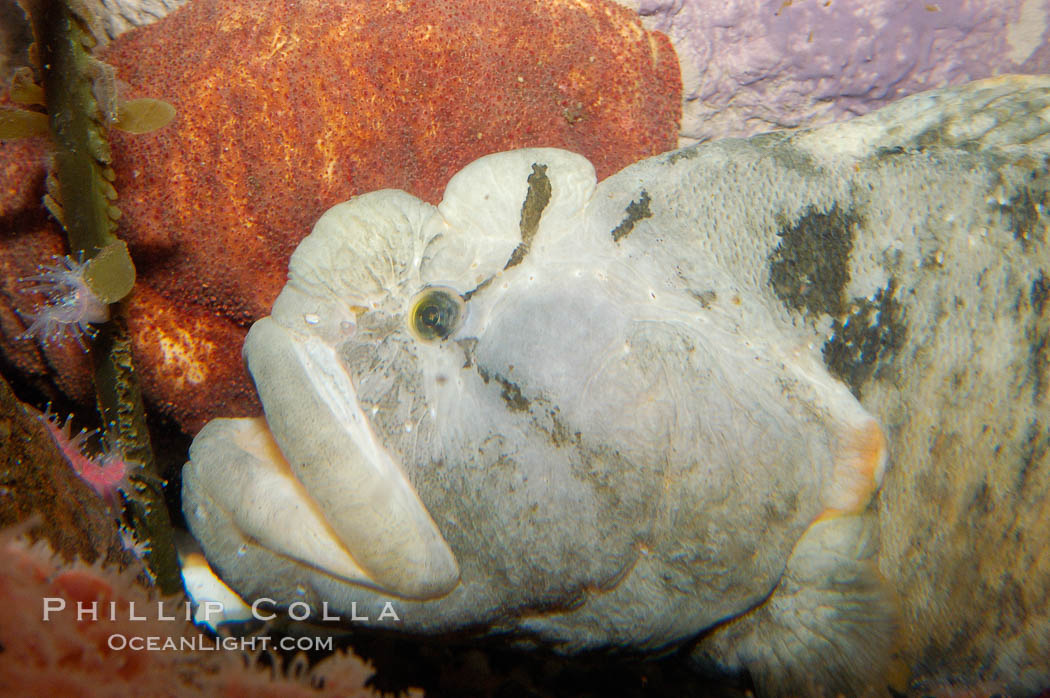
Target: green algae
point(24, 90)
point(143, 115)
point(107, 273)
point(21, 123)
point(81, 196)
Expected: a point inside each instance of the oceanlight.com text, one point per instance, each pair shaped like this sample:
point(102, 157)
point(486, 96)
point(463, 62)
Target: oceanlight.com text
point(202, 643)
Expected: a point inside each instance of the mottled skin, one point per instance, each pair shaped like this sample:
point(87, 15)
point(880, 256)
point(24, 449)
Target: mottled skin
point(936, 208)
point(711, 475)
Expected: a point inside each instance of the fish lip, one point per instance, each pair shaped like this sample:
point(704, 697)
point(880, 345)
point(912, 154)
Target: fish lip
point(359, 486)
point(237, 483)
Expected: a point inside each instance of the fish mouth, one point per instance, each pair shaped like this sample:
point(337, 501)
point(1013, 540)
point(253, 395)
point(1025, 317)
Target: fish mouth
point(313, 482)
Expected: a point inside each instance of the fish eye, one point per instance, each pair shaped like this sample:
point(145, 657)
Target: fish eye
point(435, 313)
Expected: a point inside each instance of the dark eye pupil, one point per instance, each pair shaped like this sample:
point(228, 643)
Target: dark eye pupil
point(435, 314)
point(431, 316)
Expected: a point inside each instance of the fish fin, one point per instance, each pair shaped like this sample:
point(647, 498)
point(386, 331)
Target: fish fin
point(860, 463)
point(827, 629)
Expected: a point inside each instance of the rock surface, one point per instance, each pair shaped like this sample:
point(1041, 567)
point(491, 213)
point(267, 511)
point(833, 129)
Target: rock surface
point(750, 66)
point(37, 484)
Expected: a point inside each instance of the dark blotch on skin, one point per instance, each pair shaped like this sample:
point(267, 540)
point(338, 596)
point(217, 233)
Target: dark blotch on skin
point(1033, 453)
point(981, 504)
point(795, 159)
point(509, 391)
point(809, 269)
point(705, 298)
point(778, 513)
point(932, 137)
point(1022, 214)
point(1014, 609)
point(871, 333)
point(1038, 361)
point(1038, 336)
point(890, 152)
point(511, 394)
point(636, 211)
point(537, 198)
point(1039, 293)
point(559, 433)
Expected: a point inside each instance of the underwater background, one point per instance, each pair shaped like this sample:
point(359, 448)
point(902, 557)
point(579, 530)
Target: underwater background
point(199, 142)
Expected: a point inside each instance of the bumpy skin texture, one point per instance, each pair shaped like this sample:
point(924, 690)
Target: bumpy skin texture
point(910, 246)
point(637, 432)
